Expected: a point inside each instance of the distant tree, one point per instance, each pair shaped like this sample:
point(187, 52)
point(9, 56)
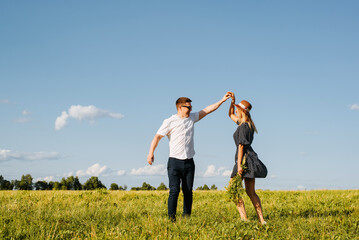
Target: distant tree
point(67, 184)
point(93, 183)
point(5, 184)
point(8, 185)
point(64, 184)
point(146, 186)
point(15, 183)
point(205, 187)
point(124, 188)
point(41, 185)
point(51, 185)
point(162, 186)
point(213, 187)
point(1, 181)
point(56, 186)
point(71, 183)
point(24, 184)
point(114, 186)
point(76, 185)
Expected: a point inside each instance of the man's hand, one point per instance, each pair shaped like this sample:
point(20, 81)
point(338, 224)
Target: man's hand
point(226, 96)
point(213, 107)
point(150, 158)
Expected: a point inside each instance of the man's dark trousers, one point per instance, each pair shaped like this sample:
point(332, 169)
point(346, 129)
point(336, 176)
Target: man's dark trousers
point(180, 171)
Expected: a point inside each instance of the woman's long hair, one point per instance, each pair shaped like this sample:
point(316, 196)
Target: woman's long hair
point(246, 118)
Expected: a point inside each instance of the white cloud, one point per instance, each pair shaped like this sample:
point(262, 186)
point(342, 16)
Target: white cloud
point(25, 112)
point(22, 120)
point(8, 155)
point(301, 187)
point(213, 172)
point(210, 172)
point(354, 107)
point(78, 112)
point(47, 179)
point(90, 112)
point(4, 101)
point(94, 170)
point(61, 121)
point(79, 173)
point(68, 174)
point(150, 170)
point(227, 173)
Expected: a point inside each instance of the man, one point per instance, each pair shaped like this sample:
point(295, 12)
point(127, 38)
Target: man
point(179, 129)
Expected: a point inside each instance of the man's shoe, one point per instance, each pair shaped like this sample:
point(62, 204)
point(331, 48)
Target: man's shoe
point(172, 218)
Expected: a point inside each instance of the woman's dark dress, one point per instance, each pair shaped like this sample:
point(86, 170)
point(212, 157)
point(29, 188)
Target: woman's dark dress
point(255, 168)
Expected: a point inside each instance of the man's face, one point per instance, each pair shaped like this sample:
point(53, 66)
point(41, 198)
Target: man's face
point(186, 107)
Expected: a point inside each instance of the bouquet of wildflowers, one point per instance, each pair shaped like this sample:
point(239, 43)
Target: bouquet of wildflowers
point(235, 188)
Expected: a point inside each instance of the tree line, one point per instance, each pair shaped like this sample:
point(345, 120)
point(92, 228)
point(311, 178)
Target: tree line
point(205, 187)
point(70, 183)
point(73, 183)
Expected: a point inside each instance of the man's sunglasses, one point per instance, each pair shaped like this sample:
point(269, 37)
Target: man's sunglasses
point(189, 107)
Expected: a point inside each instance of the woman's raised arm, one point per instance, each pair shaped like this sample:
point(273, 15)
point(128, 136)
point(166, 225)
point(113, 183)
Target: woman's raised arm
point(231, 109)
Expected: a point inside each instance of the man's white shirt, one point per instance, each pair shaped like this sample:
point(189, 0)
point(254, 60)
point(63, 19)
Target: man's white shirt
point(180, 133)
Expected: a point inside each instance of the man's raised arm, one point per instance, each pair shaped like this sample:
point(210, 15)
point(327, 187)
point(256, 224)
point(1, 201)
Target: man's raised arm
point(214, 107)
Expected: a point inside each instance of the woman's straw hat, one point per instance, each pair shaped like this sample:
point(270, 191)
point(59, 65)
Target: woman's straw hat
point(246, 106)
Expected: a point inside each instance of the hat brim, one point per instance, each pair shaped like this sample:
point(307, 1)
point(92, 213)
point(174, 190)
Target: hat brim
point(239, 106)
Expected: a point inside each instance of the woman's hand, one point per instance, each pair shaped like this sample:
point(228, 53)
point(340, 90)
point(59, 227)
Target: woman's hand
point(231, 112)
point(240, 170)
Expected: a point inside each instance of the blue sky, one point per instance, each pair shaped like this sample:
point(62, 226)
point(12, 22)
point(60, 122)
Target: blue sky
point(110, 72)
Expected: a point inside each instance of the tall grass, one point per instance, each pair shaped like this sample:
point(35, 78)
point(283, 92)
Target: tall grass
point(143, 215)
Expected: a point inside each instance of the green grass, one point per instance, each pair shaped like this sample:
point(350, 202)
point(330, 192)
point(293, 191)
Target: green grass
point(105, 214)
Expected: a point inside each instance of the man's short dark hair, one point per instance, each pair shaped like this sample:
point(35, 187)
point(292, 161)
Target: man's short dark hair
point(182, 100)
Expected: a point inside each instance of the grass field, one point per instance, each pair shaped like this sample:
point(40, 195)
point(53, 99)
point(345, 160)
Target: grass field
point(103, 214)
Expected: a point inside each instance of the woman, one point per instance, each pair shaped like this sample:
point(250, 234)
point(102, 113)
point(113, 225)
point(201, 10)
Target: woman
point(243, 138)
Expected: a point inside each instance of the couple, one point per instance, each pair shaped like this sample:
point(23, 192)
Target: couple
point(179, 129)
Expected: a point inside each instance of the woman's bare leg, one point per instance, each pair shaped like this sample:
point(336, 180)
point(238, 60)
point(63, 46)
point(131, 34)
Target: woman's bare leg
point(241, 209)
point(249, 183)
point(240, 206)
